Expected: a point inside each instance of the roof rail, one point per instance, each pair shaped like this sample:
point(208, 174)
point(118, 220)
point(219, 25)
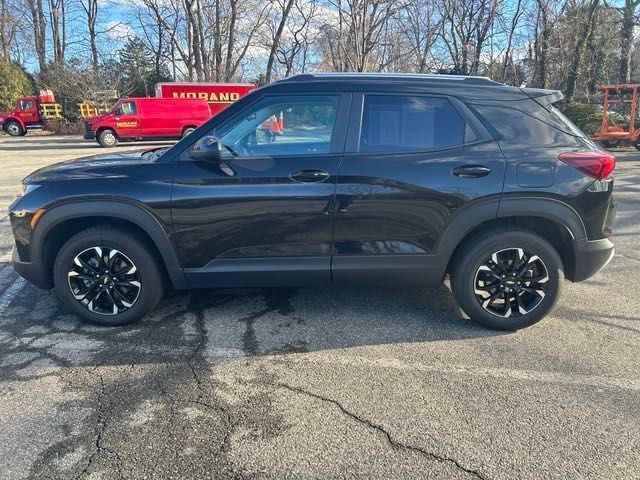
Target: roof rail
point(467, 79)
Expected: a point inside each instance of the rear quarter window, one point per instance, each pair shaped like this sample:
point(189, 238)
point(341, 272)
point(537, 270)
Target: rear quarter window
point(513, 126)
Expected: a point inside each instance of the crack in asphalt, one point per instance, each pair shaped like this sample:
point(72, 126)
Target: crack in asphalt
point(395, 444)
point(100, 427)
point(200, 399)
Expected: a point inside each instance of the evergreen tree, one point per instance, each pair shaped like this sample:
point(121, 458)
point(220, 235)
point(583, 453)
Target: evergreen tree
point(138, 69)
point(14, 84)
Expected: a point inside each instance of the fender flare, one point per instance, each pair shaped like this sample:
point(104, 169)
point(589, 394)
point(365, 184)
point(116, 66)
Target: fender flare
point(545, 207)
point(541, 207)
point(464, 222)
point(14, 119)
point(118, 209)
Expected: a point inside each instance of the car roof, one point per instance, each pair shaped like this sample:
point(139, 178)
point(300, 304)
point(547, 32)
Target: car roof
point(392, 77)
point(463, 86)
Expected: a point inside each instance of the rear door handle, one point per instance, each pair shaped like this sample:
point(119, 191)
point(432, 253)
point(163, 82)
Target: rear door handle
point(471, 171)
point(309, 176)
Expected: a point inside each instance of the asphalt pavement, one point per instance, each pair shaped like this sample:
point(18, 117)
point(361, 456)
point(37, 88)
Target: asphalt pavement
point(319, 383)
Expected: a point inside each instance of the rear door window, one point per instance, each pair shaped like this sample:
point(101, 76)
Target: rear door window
point(399, 123)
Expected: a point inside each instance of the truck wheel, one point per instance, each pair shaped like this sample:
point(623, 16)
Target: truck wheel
point(187, 131)
point(107, 138)
point(13, 128)
point(107, 276)
point(507, 279)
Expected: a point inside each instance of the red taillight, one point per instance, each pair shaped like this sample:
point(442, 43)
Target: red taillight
point(596, 164)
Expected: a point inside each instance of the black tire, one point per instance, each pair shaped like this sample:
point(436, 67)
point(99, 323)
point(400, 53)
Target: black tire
point(14, 129)
point(528, 301)
point(610, 143)
point(130, 250)
point(107, 138)
point(187, 131)
point(638, 145)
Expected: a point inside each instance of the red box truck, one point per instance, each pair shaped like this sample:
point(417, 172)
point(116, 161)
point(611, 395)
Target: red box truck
point(218, 95)
point(147, 118)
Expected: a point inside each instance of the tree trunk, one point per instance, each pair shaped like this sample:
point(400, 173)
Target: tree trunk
point(276, 39)
point(38, 24)
point(626, 39)
point(583, 37)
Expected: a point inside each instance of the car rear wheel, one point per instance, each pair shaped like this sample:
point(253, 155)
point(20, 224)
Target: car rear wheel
point(508, 279)
point(107, 138)
point(14, 129)
point(107, 276)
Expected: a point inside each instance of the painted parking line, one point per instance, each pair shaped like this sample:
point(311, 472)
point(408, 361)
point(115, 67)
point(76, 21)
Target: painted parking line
point(11, 293)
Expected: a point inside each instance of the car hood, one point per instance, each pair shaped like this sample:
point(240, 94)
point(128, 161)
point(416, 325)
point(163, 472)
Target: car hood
point(98, 118)
point(103, 165)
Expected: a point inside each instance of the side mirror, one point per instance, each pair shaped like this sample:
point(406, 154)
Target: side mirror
point(207, 148)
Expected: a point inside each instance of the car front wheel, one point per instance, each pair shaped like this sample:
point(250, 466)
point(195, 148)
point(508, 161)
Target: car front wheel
point(507, 280)
point(14, 129)
point(107, 138)
point(107, 276)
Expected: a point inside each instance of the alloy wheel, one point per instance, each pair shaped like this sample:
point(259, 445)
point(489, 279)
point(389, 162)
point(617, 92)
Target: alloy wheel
point(109, 138)
point(511, 282)
point(104, 280)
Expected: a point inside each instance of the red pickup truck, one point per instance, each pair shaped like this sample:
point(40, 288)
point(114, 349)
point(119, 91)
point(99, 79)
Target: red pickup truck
point(147, 119)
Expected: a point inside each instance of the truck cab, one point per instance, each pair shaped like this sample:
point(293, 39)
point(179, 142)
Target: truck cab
point(24, 116)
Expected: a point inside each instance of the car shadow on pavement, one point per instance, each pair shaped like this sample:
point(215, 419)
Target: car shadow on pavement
point(229, 323)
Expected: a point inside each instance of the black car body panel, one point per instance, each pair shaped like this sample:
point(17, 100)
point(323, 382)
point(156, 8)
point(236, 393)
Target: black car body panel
point(391, 217)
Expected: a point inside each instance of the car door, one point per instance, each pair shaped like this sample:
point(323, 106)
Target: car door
point(412, 163)
point(262, 215)
point(128, 119)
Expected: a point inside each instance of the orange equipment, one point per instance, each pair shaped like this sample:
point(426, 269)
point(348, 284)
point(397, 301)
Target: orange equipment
point(619, 93)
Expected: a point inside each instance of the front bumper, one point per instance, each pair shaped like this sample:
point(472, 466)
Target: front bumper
point(591, 257)
point(89, 135)
point(33, 272)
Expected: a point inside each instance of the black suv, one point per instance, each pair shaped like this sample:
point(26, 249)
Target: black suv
point(378, 179)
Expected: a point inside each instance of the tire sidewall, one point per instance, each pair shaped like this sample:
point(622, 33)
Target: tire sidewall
point(17, 132)
point(148, 271)
point(463, 278)
point(102, 135)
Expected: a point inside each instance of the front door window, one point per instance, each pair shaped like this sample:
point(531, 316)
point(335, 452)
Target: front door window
point(282, 126)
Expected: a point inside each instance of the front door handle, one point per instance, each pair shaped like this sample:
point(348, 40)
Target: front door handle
point(309, 176)
point(471, 171)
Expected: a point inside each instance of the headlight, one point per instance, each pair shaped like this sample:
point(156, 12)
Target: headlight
point(27, 188)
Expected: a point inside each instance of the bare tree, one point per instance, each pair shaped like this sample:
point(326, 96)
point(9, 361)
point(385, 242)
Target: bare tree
point(298, 38)
point(284, 8)
point(465, 28)
point(629, 22)
point(583, 36)
point(58, 24)
point(90, 8)
point(38, 25)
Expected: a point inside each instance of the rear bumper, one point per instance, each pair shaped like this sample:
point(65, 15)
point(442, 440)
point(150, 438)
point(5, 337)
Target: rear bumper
point(33, 272)
point(591, 257)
